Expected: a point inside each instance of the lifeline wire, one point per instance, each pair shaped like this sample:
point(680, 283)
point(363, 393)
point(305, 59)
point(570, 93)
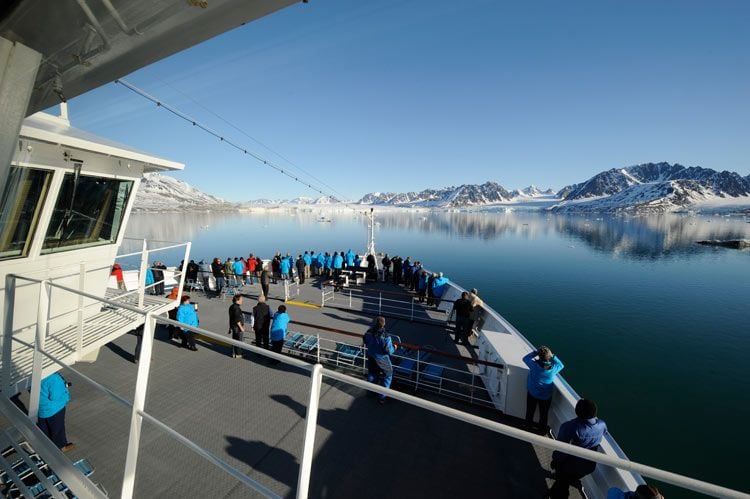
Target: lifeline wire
point(216, 134)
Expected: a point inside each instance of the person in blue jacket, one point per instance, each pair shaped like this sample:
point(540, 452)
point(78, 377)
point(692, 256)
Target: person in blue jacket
point(53, 398)
point(349, 258)
point(239, 270)
point(278, 329)
point(284, 266)
point(307, 258)
point(328, 264)
point(357, 261)
point(321, 260)
point(379, 350)
point(338, 263)
point(543, 367)
point(149, 280)
point(586, 431)
point(187, 314)
point(439, 285)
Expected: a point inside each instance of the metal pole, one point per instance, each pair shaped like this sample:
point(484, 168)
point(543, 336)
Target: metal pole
point(139, 402)
point(7, 338)
point(142, 275)
point(82, 287)
point(303, 482)
point(412, 310)
point(317, 350)
point(380, 303)
point(183, 270)
point(42, 312)
point(350, 299)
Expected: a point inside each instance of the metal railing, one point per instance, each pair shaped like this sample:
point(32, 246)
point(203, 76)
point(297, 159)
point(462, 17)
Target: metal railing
point(317, 374)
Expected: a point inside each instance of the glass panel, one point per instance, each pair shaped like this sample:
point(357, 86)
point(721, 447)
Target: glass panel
point(22, 201)
point(88, 212)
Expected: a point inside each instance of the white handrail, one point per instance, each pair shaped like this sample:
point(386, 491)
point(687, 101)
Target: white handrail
point(543, 441)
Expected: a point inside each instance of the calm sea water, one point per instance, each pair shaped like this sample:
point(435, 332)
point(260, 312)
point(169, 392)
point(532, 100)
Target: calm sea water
point(652, 326)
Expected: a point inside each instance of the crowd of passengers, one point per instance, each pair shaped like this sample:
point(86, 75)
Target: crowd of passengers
point(586, 430)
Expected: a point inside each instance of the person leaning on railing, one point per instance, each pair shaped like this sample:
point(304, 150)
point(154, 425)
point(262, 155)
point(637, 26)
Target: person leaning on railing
point(585, 431)
point(462, 309)
point(278, 330)
point(543, 367)
point(379, 350)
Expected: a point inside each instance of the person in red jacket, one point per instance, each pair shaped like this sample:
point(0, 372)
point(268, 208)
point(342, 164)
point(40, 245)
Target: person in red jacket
point(117, 272)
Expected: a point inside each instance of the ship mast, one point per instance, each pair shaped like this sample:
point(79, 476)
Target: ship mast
point(371, 233)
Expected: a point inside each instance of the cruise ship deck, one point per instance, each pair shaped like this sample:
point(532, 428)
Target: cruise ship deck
point(251, 414)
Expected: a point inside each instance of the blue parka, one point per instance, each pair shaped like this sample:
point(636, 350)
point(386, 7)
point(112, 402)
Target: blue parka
point(149, 277)
point(239, 267)
point(439, 285)
point(307, 258)
point(53, 395)
point(279, 326)
point(329, 262)
point(539, 382)
point(338, 262)
point(186, 313)
point(350, 258)
point(379, 344)
point(284, 266)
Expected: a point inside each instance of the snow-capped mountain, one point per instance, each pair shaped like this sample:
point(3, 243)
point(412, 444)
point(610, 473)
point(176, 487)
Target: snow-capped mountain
point(653, 187)
point(447, 197)
point(531, 192)
point(162, 193)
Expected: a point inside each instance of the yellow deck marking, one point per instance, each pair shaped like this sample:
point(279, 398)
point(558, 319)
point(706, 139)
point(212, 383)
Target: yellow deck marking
point(302, 304)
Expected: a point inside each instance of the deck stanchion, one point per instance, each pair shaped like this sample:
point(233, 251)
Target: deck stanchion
point(380, 303)
point(303, 482)
point(416, 385)
point(350, 299)
point(7, 336)
point(183, 270)
point(82, 288)
point(412, 310)
point(142, 275)
point(317, 349)
point(139, 402)
point(42, 313)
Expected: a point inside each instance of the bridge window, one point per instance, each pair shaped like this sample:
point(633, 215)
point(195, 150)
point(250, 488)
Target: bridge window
point(21, 204)
point(88, 212)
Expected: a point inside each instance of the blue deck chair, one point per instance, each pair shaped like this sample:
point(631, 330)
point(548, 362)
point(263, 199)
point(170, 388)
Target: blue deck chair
point(348, 354)
point(294, 341)
point(433, 375)
point(309, 345)
point(408, 365)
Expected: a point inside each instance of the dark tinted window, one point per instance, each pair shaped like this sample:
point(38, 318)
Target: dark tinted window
point(87, 213)
point(21, 204)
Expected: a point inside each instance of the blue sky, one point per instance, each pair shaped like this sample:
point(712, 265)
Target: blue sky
point(406, 95)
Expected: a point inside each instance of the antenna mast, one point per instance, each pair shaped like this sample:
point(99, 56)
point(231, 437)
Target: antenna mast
point(371, 232)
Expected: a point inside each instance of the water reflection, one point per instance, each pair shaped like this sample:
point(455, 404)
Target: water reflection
point(636, 237)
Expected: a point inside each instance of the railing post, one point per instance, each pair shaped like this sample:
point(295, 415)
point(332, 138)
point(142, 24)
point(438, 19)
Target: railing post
point(139, 402)
point(380, 303)
point(42, 314)
point(183, 270)
point(471, 390)
point(303, 482)
point(322, 296)
point(350, 299)
point(416, 385)
point(286, 289)
point(7, 338)
point(317, 350)
point(142, 275)
point(412, 310)
point(81, 288)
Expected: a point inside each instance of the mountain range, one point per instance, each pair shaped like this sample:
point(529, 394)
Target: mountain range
point(644, 188)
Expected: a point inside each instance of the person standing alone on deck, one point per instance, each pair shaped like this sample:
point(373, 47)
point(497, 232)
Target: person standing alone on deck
point(262, 321)
point(53, 398)
point(379, 350)
point(187, 314)
point(585, 431)
point(462, 308)
point(236, 324)
point(278, 329)
point(543, 367)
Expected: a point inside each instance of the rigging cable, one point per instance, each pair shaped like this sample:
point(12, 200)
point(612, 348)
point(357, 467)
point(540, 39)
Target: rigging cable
point(237, 128)
point(229, 142)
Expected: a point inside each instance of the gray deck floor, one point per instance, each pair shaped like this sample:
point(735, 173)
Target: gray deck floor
point(252, 415)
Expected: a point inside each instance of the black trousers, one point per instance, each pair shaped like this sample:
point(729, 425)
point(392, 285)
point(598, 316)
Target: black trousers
point(567, 472)
point(276, 346)
point(261, 337)
point(188, 339)
point(54, 428)
point(264, 287)
point(239, 336)
point(531, 403)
